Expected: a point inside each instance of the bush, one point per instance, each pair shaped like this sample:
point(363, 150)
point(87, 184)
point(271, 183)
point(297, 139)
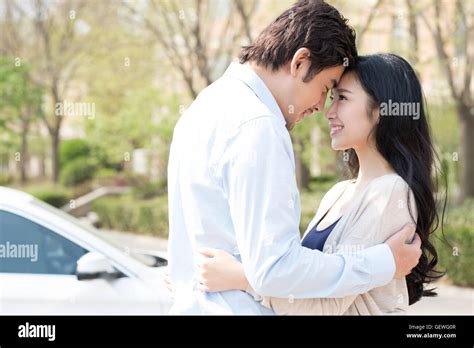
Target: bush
point(457, 259)
point(56, 198)
point(456, 247)
point(461, 215)
point(77, 171)
point(132, 215)
point(106, 173)
point(5, 180)
point(70, 150)
point(148, 190)
point(109, 177)
point(322, 183)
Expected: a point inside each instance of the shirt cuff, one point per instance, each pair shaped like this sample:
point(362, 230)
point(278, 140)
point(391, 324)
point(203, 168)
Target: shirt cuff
point(382, 264)
point(252, 292)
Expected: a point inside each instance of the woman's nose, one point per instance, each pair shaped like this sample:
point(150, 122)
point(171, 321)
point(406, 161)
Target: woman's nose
point(330, 113)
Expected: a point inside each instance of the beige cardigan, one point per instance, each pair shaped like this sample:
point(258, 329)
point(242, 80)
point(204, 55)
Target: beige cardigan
point(380, 211)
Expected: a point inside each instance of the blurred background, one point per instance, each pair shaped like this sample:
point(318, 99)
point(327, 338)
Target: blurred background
point(90, 92)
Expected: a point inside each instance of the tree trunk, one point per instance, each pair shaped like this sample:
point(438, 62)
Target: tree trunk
point(54, 131)
point(55, 155)
point(302, 170)
point(24, 151)
point(467, 152)
point(302, 173)
point(413, 31)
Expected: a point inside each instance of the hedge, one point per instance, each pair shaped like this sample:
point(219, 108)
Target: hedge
point(457, 259)
point(131, 215)
point(77, 171)
point(57, 198)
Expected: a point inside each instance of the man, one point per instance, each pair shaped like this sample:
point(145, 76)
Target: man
point(231, 174)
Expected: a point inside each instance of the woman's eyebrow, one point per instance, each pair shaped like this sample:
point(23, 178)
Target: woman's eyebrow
point(342, 90)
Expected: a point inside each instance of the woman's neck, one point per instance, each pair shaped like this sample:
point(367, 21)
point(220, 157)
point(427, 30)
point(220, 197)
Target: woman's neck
point(371, 165)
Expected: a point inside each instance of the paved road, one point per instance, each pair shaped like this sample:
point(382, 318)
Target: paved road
point(451, 300)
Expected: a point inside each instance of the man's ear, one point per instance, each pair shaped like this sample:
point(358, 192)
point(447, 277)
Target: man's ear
point(299, 63)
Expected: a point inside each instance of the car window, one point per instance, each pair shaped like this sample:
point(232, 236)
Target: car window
point(27, 247)
point(111, 241)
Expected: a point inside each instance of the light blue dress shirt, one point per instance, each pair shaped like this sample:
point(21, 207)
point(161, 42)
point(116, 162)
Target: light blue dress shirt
point(232, 186)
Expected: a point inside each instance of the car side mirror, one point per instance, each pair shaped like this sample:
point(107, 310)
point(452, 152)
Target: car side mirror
point(94, 265)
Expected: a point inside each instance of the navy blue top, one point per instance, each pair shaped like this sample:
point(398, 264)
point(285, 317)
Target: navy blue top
point(315, 239)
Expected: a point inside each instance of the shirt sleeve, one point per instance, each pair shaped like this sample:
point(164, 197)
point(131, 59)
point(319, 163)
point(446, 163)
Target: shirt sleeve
point(258, 178)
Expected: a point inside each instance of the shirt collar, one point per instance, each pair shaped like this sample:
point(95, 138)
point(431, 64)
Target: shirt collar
point(246, 74)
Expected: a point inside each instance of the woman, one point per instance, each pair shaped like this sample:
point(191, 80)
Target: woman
point(377, 118)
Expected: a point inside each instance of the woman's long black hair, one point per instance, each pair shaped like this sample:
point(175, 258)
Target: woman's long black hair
point(405, 142)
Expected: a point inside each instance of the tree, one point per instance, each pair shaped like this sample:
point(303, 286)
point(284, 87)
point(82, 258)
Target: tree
point(199, 38)
point(456, 61)
point(20, 105)
point(55, 37)
point(413, 32)
point(364, 26)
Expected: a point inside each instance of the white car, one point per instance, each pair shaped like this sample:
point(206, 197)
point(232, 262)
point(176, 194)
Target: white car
point(51, 263)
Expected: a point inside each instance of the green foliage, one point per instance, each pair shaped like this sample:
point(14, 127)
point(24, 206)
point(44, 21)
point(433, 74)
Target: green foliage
point(147, 190)
point(78, 171)
point(129, 214)
point(69, 150)
point(322, 183)
point(311, 198)
point(105, 173)
point(5, 179)
point(444, 125)
point(457, 257)
point(20, 101)
point(17, 91)
point(56, 198)
point(461, 215)
point(110, 177)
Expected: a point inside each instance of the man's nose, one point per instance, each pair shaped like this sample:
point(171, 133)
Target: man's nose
point(322, 101)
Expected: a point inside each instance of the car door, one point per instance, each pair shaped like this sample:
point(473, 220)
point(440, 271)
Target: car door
point(37, 274)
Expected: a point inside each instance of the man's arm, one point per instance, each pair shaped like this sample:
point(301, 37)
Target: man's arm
point(259, 180)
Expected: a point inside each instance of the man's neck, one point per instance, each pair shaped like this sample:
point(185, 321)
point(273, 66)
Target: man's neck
point(273, 81)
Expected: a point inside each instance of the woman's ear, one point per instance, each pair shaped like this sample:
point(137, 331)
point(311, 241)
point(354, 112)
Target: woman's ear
point(376, 115)
point(300, 63)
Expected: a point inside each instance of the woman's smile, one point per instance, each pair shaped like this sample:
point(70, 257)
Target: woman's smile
point(335, 129)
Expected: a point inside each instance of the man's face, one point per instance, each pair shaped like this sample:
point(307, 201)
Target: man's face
point(305, 98)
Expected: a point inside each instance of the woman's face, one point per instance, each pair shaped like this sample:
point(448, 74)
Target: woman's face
point(349, 123)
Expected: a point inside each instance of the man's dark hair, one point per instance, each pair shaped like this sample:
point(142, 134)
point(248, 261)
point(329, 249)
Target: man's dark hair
point(312, 24)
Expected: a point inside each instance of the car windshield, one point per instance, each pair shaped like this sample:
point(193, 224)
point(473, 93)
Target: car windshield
point(144, 259)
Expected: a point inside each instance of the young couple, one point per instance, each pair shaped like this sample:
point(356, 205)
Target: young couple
point(234, 210)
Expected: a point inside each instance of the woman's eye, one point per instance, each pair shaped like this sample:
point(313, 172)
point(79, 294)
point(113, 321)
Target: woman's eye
point(342, 97)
